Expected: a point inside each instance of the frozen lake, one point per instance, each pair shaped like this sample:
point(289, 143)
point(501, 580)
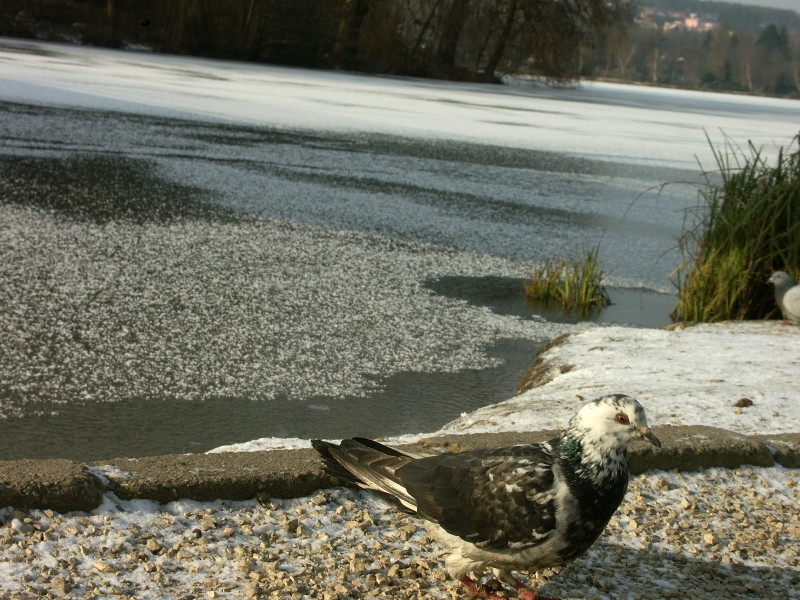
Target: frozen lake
point(200, 252)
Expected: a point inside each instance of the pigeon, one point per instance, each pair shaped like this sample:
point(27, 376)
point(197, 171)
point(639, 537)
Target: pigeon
point(525, 507)
point(787, 295)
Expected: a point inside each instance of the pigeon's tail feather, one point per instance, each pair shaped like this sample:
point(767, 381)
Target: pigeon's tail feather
point(382, 448)
point(369, 464)
point(331, 464)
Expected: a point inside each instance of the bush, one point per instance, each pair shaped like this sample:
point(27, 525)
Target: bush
point(747, 227)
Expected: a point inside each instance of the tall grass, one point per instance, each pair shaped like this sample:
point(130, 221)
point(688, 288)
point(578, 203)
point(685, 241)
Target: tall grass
point(748, 225)
point(573, 283)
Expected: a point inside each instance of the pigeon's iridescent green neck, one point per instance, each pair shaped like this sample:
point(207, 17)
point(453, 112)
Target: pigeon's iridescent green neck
point(571, 448)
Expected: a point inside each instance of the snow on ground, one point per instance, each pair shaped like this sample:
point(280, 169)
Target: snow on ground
point(717, 533)
point(690, 376)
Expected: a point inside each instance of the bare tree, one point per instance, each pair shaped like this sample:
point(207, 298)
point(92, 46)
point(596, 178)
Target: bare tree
point(544, 37)
point(177, 17)
point(345, 50)
point(453, 24)
point(503, 38)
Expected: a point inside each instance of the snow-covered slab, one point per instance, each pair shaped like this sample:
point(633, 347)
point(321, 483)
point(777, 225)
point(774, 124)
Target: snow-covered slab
point(687, 376)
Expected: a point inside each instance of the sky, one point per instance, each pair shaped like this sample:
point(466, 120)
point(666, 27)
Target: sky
point(785, 4)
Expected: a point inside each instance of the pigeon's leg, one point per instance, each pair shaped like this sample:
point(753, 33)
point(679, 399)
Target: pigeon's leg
point(478, 590)
point(526, 593)
point(523, 591)
point(473, 587)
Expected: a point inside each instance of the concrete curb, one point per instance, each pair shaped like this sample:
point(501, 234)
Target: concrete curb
point(65, 485)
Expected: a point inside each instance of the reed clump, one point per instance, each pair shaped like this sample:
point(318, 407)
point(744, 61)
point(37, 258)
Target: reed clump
point(574, 283)
point(747, 226)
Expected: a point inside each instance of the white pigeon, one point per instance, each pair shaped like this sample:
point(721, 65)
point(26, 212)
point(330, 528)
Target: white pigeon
point(527, 507)
point(787, 295)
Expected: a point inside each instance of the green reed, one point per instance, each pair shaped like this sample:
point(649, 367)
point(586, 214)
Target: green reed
point(574, 282)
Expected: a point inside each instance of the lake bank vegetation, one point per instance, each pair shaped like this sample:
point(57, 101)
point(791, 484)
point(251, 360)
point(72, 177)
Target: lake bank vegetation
point(746, 227)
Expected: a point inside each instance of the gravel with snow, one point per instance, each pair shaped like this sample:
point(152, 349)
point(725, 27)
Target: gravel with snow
point(714, 533)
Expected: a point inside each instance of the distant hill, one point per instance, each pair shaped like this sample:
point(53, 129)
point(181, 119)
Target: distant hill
point(748, 19)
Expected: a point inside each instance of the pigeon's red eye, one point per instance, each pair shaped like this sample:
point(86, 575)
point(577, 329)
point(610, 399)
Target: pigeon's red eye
point(622, 418)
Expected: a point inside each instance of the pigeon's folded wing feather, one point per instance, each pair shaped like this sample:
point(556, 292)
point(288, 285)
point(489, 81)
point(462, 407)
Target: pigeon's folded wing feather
point(502, 498)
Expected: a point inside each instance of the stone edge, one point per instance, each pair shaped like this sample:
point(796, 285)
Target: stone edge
point(64, 485)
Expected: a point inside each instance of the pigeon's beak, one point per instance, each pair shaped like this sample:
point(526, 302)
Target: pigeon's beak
point(647, 434)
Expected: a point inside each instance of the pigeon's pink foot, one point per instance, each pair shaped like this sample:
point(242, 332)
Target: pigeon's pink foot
point(526, 593)
point(473, 587)
point(478, 590)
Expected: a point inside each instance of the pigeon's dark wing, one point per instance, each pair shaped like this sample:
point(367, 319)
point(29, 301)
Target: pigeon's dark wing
point(492, 498)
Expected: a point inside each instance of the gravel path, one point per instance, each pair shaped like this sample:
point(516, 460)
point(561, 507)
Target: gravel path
point(714, 533)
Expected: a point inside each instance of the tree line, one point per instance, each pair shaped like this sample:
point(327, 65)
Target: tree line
point(462, 39)
point(476, 40)
point(720, 59)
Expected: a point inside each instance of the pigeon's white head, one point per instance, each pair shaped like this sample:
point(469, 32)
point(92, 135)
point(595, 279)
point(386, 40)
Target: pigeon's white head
point(782, 280)
point(601, 430)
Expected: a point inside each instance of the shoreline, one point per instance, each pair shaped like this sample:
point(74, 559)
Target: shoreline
point(706, 429)
point(64, 485)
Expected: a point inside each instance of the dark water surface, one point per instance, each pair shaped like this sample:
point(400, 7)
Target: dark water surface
point(408, 402)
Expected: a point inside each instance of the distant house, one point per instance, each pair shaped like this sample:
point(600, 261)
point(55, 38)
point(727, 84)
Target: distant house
point(692, 22)
point(696, 23)
point(655, 18)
